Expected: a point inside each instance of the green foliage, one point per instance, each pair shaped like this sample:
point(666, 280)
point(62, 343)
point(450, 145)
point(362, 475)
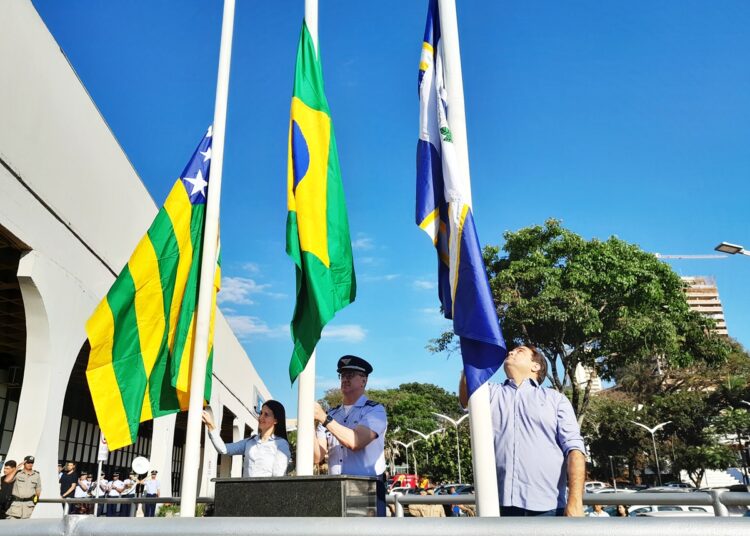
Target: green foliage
point(602, 304)
point(696, 459)
point(411, 406)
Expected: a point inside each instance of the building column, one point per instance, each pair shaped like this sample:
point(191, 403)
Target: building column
point(56, 312)
point(162, 444)
point(237, 429)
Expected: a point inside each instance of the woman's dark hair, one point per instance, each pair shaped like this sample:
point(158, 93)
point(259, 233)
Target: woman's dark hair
point(280, 415)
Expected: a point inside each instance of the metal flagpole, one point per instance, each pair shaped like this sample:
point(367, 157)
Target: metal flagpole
point(208, 267)
point(306, 379)
point(485, 476)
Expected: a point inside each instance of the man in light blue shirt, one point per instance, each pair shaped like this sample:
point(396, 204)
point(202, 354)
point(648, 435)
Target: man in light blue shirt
point(539, 451)
point(353, 434)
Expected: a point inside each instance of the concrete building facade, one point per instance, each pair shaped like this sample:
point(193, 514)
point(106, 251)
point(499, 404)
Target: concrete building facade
point(703, 297)
point(72, 209)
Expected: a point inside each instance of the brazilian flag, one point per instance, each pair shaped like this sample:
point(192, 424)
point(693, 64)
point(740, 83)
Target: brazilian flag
point(142, 332)
point(317, 228)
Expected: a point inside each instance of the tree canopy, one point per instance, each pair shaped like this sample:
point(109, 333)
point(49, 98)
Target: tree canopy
point(606, 305)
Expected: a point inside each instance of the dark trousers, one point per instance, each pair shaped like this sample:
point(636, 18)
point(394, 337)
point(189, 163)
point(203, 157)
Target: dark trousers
point(125, 508)
point(149, 509)
point(380, 491)
point(111, 510)
point(515, 511)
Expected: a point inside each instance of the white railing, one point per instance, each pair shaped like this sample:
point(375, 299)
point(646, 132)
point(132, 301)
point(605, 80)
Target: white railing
point(718, 500)
point(299, 526)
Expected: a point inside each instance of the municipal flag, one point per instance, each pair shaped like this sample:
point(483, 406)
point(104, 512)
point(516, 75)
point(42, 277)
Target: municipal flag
point(444, 212)
point(142, 332)
point(317, 227)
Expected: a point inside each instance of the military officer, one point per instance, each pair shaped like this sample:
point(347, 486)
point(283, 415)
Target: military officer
point(26, 490)
point(353, 434)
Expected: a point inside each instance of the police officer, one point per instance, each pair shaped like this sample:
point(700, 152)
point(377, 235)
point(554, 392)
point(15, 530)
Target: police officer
point(353, 434)
point(26, 490)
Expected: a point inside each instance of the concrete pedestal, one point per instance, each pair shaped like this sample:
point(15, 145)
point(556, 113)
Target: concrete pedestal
point(296, 496)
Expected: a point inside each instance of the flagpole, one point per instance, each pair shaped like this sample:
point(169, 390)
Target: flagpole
point(208, 267)
point(306, 379)
point(483, 448)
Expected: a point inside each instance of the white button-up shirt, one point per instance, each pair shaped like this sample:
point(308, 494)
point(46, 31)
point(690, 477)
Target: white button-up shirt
point(261, 458)
point(369, 461)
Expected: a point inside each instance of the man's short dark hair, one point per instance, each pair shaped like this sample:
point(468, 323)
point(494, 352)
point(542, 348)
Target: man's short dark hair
point(538, 357)
point(10, 463)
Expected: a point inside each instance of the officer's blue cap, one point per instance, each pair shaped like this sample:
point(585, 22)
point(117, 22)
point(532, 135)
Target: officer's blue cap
point(352, 362)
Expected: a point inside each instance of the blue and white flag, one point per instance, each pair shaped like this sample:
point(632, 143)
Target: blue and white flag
point(444, 213)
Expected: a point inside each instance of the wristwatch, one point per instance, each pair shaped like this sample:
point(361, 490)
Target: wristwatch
point(327, 421)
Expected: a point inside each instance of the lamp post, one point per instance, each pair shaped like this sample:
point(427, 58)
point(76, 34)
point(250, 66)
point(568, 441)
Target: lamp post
point(458, 447)
point(652, 431)
point(732, 249)
point(407, 446)
point(612, 469)
point(426, 437)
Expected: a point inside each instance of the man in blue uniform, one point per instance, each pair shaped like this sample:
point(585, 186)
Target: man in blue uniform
point(353, 434)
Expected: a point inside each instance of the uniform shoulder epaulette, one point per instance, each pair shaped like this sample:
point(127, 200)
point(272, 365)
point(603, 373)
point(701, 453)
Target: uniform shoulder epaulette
point(372, 403)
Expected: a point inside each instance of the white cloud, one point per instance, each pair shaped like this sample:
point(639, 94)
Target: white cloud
point(251, 268)
point(365, 278)
point(239, 290)
point(245, 326)
point(424, 284)
point(363, 242)
point(345, 332)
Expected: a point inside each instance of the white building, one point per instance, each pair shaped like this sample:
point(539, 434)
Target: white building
point(582, 376)
point(703, 297)
point(72, 209)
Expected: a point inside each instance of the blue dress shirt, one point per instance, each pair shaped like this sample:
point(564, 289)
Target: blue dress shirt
point(535, 428)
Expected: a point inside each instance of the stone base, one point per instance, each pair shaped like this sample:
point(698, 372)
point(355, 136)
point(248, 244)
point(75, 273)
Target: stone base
point(296, 496)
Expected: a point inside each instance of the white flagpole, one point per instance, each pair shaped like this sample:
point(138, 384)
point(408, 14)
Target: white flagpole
point(208, 267)
point(485, 476)
point(306, 379)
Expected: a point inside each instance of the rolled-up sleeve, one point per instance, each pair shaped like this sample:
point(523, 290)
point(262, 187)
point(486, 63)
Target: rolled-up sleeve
point(568, 432)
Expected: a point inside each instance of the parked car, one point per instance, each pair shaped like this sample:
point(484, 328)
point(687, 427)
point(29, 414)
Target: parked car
point(594, 485)
point(677, 509)
point(402, 480)
point(399, 489)
point(612, 490)
point(677, 484)
point(465, 489)
point(444, 489)
point(677, 513)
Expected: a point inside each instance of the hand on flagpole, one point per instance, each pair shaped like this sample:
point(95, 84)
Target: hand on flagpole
point(208, 420)
point(320, 413)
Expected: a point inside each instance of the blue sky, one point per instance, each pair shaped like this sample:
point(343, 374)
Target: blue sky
point(630, 119)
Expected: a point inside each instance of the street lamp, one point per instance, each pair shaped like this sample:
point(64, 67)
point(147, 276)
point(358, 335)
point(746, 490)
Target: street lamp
point(731, 249)
point(407, 446)
point(652, 431)
point(458, 447)
point(426, 437)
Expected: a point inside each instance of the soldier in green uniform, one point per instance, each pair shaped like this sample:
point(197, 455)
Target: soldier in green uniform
point(26, 490)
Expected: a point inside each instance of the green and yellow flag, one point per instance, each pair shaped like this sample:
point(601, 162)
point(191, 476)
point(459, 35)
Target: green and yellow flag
point(142, 332)
point(317, 227)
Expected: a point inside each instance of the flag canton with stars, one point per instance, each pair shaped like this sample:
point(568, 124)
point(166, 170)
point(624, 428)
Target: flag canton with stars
point(195, 175)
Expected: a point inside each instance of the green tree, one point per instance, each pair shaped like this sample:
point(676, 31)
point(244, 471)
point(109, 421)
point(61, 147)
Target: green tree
point(601, 304)
point(411, 406)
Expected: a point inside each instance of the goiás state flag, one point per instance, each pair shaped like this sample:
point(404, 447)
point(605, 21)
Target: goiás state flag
point(142, 332)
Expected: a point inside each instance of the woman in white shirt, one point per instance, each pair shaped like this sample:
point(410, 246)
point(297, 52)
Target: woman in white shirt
point(265, 453)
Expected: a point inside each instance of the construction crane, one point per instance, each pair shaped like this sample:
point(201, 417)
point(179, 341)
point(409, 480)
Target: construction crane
point(692, 257)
